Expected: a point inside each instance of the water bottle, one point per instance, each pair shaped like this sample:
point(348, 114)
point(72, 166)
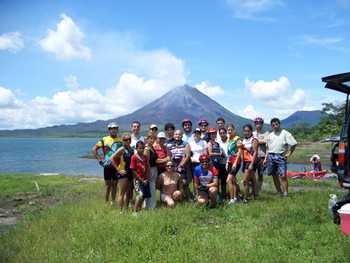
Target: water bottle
point(332, 201)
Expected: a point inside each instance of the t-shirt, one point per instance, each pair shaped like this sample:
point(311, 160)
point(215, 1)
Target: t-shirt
point(224, 146)
point(205, 177)
point(280, 142)
point(197, 148)
point(187, 137)
point(140, 165)
point(135, 139)
point(109, 146)
point(262, 147)
point(248, 149)
point(232, 147)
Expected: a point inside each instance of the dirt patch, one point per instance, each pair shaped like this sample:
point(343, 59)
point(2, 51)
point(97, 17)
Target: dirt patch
point(13, 208)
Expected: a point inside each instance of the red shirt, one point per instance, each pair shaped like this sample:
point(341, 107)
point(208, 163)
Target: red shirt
point(140, 165)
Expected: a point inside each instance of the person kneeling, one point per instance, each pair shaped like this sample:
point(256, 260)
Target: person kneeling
point(170, 185)
point(206, 182)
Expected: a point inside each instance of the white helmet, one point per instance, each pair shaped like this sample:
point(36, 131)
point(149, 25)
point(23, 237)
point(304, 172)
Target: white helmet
point(112, 125)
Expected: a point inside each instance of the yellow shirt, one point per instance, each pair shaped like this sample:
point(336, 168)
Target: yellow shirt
point(110, 146)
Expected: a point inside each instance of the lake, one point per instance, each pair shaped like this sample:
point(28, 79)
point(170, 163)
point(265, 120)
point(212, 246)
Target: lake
point(52, 155)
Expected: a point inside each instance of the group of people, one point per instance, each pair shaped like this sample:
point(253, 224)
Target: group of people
point(194, 164)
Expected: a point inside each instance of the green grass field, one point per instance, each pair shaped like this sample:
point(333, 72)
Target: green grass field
point(79, 227)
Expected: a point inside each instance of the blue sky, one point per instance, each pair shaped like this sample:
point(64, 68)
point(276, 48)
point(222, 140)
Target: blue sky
point(71, 61)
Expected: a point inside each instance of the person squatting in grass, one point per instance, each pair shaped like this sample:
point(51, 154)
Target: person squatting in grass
point(234, 149)
point(206, 182)
point(280, 145)
point(109, 145)
point(249, 156)
point(170, 185)
point(141, 170)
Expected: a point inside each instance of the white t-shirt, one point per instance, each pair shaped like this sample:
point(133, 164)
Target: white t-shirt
point(135, 139)
point(187, 137)
point(197, 149)
point(280, 142)
point(224, 147)
point(262, 147)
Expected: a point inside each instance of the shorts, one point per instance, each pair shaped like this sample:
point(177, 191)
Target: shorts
point(110, 173)
point(246, 166)
point(203, 191)
point(233, 170)
point(276, 164)
point(164, 196)
point(142, 190)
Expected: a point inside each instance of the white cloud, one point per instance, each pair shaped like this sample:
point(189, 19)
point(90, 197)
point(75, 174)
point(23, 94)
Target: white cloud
point(11, 41)
point(250, 112)
point(331, 43)
point(7, 99)
point(252, 9)
point(277, 95)
point(211, 91)
point(67, 42)
point(267, 90)
point(80, 104)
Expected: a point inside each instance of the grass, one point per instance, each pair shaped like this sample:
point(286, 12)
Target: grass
point(304, 151)
point(84, 229)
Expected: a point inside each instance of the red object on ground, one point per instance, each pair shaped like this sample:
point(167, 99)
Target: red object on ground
point(344, 212)
point(308, 175)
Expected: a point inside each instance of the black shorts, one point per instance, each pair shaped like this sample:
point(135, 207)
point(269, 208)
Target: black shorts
point(246, 166)
point(110, 173)
point(203, 191)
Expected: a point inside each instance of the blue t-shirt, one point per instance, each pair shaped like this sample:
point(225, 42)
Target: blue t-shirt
point(205, 177)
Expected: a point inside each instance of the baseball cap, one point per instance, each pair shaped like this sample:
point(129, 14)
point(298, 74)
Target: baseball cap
point(161, 135)
point(153, 126)
point(112, 125)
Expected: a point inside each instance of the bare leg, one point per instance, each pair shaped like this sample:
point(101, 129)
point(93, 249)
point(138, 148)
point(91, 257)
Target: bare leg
point(246, 179)
point(138, 203)
point(108, 184)
point(213, 191)
point(122, 188)
point(277, 183)
point(284, 184)
point(177, 196)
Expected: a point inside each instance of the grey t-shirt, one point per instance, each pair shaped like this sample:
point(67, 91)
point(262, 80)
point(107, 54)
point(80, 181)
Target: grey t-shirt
point(262, 146)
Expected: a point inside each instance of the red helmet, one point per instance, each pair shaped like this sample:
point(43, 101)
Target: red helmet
point(186, 121)
point(259, 120)
point(211, 130)
point(203, 157)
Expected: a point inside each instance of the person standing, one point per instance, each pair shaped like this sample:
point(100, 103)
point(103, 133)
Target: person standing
point(187, 130)
point(249, 155)
point(135, 133)
point(280, 145)
point(223, 172)
point(234, 152)
point(153, 129)
point(220, 123)
point(203, 125)
point(140, 167)
point(169, 129)
point(151, 155)
point(162, 152)
point(261, 135)
point(128, 152)
point(109, 145)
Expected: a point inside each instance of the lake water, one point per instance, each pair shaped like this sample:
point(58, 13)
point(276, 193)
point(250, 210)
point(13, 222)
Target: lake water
point(51, 155)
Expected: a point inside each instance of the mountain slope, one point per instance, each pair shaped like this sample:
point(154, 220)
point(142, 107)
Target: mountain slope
point(309, 118)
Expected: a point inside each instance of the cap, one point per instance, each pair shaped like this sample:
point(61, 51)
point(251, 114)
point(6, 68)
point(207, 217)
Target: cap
point(185, 121)
point(211, 130)
point(203, 157)
point(112, 125)
point(161, 135)
point(202, 121)
point(153, 126)
point(197, 130)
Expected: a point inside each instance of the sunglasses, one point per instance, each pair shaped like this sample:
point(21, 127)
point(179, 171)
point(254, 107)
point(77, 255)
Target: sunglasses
point(204, 125)
point(127, 140)
point(205, 162)
point(170, 166)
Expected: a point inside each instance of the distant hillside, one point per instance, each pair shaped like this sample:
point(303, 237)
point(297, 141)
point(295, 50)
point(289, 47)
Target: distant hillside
point(309, 118)
point(179, 103)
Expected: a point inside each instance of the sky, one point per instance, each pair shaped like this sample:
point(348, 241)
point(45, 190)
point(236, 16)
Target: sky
point(64, 62)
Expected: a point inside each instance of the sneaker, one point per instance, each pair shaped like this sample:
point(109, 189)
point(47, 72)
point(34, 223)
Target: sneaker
point(233, 201)
point(245, 201)
point(135, 214)
point(285, 194)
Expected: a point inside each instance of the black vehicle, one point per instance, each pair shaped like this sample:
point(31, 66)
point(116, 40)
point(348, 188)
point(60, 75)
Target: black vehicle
point(340, 155)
